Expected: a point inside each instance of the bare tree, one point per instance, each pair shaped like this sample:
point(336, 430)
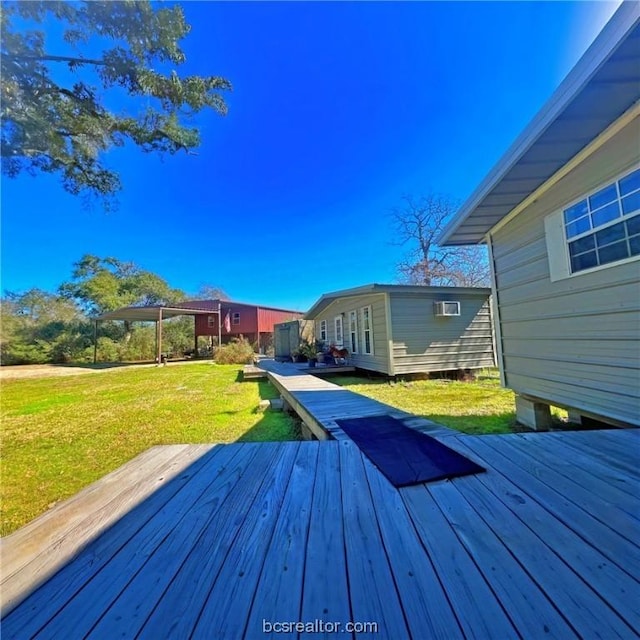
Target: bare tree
point(211, 292)
point(417, 224)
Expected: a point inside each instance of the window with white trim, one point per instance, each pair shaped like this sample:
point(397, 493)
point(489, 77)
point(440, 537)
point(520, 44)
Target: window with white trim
point(599, 230)
point(211, 322)
point(235, 318)
point(338, 330)
point(604, 227)
point(367, 330)
point(323, 330)
point(353, 331)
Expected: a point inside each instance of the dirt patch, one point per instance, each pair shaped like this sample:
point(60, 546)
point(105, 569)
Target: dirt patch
point(53, 370)
point(45, 371)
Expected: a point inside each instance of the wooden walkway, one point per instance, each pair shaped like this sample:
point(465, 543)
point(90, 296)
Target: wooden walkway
point(543, 545)
point(319, 402)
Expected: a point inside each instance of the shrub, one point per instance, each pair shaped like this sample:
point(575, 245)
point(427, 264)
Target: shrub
point(236, 352)
point(108, 350)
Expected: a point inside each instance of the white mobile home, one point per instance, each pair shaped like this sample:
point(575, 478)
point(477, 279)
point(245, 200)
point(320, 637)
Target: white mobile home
point(561, 216)
point(402, 329)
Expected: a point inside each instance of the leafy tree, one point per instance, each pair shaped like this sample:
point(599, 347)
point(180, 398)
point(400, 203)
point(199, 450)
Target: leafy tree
point(178, 334)
point(99, 285)
point(36, 306)
point(58, 92)
point(417, 223)
point(38, 327)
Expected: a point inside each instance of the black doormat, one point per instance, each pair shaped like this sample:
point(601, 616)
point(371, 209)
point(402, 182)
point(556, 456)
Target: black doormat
point(405, 456)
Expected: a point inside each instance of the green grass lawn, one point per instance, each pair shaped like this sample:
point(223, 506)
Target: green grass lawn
point(477, 407)
point(59, 434)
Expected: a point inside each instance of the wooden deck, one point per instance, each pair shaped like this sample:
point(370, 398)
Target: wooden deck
point(319, 402)
point(543, 545)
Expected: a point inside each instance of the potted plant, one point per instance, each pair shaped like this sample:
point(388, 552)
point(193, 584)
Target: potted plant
point(309, 350)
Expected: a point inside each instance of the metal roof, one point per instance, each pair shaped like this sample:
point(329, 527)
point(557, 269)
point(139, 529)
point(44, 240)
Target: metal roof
point(327, 298)
point(185, 308)
point(151, 314)
point(604, 84)
point(213, 304)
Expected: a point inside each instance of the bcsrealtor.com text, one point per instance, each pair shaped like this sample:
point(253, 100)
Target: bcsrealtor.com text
point(318, 626)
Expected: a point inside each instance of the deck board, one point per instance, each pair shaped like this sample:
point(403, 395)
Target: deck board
point(613, 454)
point(618, 443)
point(597, 533)
point(574, 454)
point(619, 489)
point(233, 591)
point(53, 525)
point(372, 588)
point(299, 531)
point(580, 490)
point(614, 585)
point(94, 597)
point(325, 593)
point(278, 594)
point(180, 605)
point(564, 589)
point(465, 585)
point(428, 612)
point(528, 605)
point(167, 548)
point(34, 553)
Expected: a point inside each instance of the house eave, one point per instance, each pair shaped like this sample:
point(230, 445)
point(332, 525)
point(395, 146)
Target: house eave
point(602, 87)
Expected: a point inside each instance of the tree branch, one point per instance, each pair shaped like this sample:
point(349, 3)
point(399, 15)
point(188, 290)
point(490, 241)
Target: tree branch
point(49, 58)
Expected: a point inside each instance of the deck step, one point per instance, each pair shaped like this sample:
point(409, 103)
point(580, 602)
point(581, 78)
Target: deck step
point(251, 372)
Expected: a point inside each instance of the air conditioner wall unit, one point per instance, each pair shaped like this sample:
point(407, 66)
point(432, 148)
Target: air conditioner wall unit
point(446, 308)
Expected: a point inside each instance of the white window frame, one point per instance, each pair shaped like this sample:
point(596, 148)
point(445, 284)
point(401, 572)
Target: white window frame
point(211, 322)
point(322, 330)
point(441, 308)
point(353, 331)
point(338, 328)
point(558, 242)
point(367, 327)
point(235, 318)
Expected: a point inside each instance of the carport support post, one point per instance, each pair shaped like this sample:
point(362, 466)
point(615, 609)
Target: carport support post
point(219, 324)
point(159, 336)
point(95, 342)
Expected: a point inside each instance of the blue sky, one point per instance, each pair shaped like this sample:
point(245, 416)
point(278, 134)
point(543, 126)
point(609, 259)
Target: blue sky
point(337, 111)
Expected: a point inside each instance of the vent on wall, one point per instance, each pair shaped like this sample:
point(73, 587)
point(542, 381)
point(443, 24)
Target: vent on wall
point(446, 308)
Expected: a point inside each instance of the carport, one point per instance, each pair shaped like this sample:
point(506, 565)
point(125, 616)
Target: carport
point(152, 314)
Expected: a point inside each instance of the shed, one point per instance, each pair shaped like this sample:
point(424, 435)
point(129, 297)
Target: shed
point(404, 329)
point(287, 337)
point(560, 214)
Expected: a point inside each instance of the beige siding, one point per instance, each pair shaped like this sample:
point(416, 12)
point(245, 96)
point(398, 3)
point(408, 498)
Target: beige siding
point(423, 342)
point(379, 360)
point(573, 342)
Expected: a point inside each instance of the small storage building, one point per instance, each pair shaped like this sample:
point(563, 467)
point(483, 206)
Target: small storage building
point(287, 337)
point(404, 329)
point(560, 214)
